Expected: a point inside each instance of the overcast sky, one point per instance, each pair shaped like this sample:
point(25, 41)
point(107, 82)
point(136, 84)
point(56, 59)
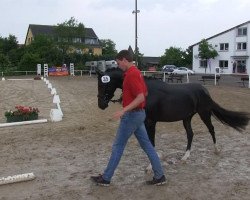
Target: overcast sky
point(161, 23)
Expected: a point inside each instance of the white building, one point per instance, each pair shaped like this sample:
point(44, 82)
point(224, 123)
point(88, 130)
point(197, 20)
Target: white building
point(233, 47)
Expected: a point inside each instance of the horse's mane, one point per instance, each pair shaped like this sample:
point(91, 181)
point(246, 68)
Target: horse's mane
point(113, 69)
point(117, 69)
point(150, 78)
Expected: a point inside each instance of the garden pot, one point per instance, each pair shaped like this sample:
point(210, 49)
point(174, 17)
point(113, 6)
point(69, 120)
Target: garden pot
point(20, 118)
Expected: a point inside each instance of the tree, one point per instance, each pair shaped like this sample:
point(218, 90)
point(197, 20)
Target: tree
point(173, 56)
point(188, 57)
point(8, 44)
point(206, 52)
point(10, 52)
point(108, 48)
point(139, 59)
point(4, 62)
point(47, 49)
point(70, 34)
point(29, 61)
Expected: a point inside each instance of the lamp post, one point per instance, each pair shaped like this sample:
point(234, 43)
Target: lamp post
point(136, 48)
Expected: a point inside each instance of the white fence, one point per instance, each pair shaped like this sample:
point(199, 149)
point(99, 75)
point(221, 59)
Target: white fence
point(77, 73)
point(26, 73)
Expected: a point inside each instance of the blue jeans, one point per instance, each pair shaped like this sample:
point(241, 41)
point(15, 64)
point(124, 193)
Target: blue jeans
point(132, 122)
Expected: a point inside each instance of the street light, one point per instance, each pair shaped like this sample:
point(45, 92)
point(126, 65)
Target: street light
point(136, 48)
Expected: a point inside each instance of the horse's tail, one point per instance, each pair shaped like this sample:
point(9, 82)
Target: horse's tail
point(237, 120)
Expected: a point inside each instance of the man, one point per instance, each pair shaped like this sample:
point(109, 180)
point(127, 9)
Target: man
point(132, 118)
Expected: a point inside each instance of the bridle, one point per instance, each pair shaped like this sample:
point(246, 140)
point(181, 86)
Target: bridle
point(107, 94)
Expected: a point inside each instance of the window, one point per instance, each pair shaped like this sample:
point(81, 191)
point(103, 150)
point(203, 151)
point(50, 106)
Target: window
point(223, 63)
point(91, 41)
point(76, 40)
point(79, 51)
point(203, 63)
point(240, 66)
point(242, 31)
point(224, 46)
point(241, 46)
point(60, 39)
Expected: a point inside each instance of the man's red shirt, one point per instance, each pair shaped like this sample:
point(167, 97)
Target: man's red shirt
point(133, 84)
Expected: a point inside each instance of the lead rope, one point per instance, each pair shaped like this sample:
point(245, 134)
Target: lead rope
point(117, 100)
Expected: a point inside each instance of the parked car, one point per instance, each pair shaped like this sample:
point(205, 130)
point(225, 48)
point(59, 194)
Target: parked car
point(168, 68)
point(183, 70)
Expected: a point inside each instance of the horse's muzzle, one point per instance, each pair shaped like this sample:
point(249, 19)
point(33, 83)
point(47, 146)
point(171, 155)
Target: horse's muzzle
point(102, 104)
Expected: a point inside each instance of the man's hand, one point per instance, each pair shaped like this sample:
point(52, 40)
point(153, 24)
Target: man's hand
point(117, 115)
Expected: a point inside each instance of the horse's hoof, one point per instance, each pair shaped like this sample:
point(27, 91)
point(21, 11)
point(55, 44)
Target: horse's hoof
point(186, 156)
point(172, 161)
point(148, 170)
point(183, 161)
point(217, 152)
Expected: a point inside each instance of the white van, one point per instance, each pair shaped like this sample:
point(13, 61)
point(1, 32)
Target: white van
point(101, 65)
point(91, 65)
point(168, 68)
point(111, 64)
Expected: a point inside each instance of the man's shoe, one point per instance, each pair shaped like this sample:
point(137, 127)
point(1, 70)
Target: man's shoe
point(160, 181)
point(100, 181)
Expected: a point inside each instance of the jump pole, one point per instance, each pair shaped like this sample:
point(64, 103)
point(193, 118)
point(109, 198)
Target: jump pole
point(23, 123)
point(17, 178)
point(19, 79)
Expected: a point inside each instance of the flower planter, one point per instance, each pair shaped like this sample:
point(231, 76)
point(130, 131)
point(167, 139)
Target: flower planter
point(20, 118)
point(22, 113)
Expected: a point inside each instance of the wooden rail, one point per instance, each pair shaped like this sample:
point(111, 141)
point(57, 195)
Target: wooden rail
point(243, 81)
point(177, 77)
point(206, 78)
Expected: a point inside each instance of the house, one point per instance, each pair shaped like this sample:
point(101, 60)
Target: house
point(233, 47)
point(150, 63)
point(147, 63)
point(90, 40)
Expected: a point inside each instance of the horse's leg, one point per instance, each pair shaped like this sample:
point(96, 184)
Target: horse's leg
point(206, 118)
point(150, 126)
point(189, 131)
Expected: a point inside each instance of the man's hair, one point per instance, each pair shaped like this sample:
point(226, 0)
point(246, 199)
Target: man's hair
point(124, 54)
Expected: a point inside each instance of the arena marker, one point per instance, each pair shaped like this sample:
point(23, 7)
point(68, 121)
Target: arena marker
point(53, 91)
point(56, 99)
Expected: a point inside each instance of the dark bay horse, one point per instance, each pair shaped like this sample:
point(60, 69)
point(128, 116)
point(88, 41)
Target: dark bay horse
point(173, 102)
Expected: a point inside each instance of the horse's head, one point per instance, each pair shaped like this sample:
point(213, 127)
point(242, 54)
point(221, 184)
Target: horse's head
point(108, 82)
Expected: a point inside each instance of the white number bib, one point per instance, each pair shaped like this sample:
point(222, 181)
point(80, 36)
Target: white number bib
point(105, 79)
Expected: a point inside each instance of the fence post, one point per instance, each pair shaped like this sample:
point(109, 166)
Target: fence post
point(45, 70)
point(72, 69)
point(187, 77)
point(249, 80)
point(39, 70)
point(217, 71)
